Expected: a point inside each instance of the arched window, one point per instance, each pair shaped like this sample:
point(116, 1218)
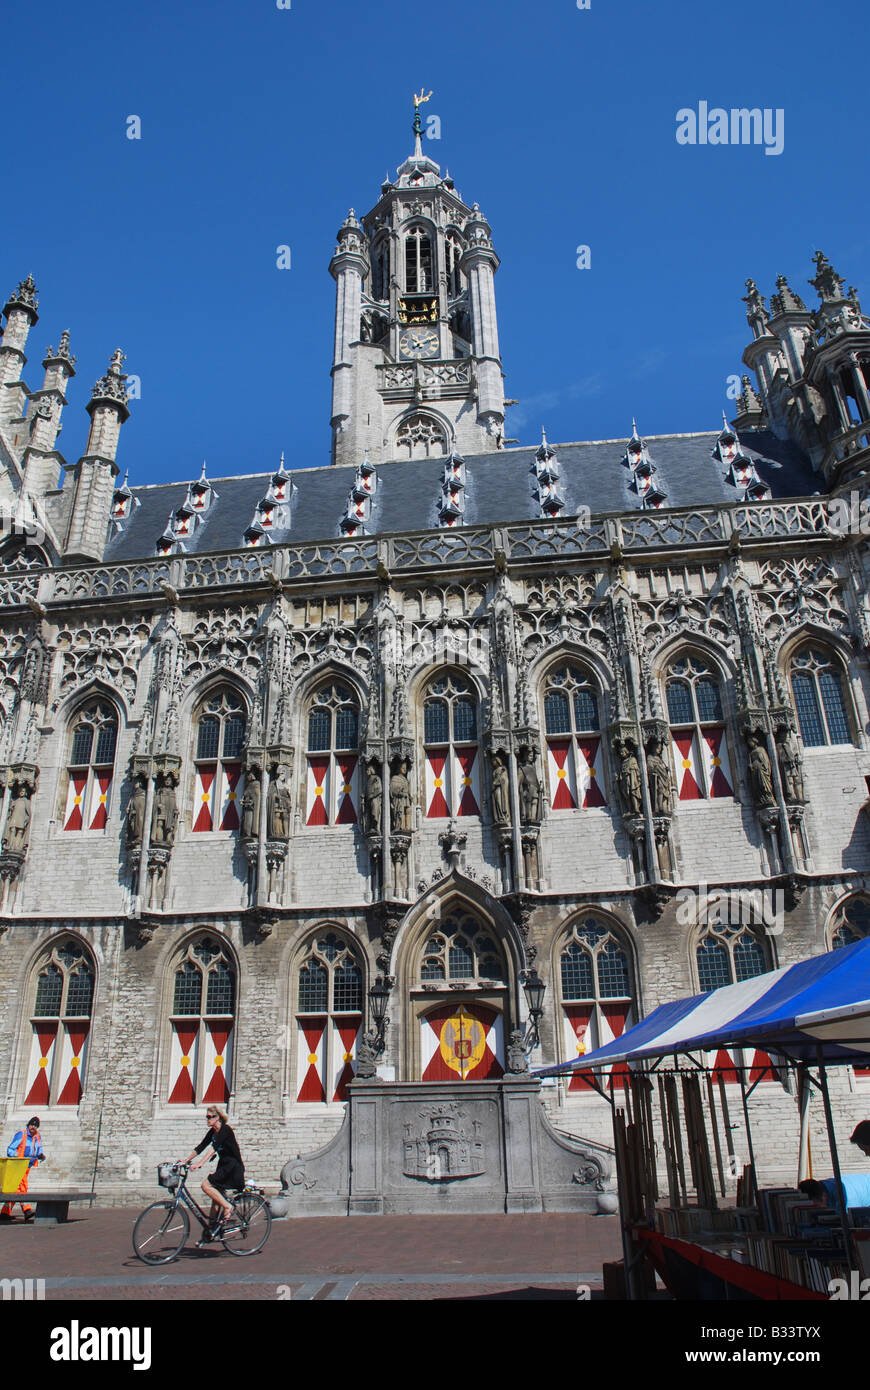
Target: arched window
point(332, 781)
point(451, 748)
point(219, 725)
point(455, 278)
point(60, 1023)
point(575, 758)
point(418, 262)
point(21, 554)
point(381, 269)
point(817, 685)
point(729, 954)
point(850, 923)
point(698, 730)
point(463, 1039)
point(201, 1024)
point(329, 1016)
point(90, 767)
point(461, 950)
point(596, 993)
point(420, 437)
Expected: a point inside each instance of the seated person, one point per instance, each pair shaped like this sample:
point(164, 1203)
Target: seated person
point(856, 1190)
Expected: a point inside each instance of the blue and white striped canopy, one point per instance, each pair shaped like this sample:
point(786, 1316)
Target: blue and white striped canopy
point(822, 1001)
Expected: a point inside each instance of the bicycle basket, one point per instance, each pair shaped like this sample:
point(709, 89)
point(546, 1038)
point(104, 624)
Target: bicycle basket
point(168, 1175)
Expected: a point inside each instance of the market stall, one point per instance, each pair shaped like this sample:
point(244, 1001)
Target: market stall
point(770, 1243)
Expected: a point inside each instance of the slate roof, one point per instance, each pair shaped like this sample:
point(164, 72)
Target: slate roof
point(500, 487)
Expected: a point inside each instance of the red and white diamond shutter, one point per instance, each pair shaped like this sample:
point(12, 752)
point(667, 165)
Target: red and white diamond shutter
point(182, 1062)
point(217, 1061)
point(317, 791)
point(72, 1061)
point(462, 1042)
point(345, 1032)
point(205, 777)
point(98, 813)
point(466, 781)
point(577, 1040)
point(437, 789)
point(560, 764)
point(233, 785)
point(41, 1059)
point(347, 791)
point(73, 818)
point(312, 1047)
point(689, 778)
point(591, 789)
point(715, 753)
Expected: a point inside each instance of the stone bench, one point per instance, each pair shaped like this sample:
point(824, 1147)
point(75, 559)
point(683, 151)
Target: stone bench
point(52, 1208)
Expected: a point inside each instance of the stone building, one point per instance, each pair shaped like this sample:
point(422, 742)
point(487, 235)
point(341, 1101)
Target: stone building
point(443, 712)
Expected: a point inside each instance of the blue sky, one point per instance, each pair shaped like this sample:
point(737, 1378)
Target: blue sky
point(261, 126)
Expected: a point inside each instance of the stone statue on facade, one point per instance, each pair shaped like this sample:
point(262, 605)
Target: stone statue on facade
point(251, 809)
point(789, 760)
point(164, 816)
point(517, 1059)
point(661, 785)
point(400, 798)
point(529, 788)
point(367, 1054)
point(17, 831)
point(628, 778)
point(501, 810)
point(279, 806)
point(760, 776)
point(373, 799)
point(135, 823)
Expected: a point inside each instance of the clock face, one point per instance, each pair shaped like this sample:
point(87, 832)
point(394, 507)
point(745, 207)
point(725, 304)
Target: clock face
point(417, 343)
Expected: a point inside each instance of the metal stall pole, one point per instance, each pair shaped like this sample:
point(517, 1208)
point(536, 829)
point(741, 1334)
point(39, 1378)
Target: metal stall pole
point(835, 1159)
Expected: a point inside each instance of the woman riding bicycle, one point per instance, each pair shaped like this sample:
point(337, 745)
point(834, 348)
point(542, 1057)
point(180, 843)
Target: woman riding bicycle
point(219, 1142)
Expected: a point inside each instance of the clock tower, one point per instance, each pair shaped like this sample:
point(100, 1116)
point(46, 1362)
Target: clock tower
point(416, 370)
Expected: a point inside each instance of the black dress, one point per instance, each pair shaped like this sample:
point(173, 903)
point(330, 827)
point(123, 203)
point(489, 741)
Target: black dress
point(230, 1171)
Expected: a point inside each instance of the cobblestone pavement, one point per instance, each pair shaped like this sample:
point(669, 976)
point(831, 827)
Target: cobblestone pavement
point(325, 1259)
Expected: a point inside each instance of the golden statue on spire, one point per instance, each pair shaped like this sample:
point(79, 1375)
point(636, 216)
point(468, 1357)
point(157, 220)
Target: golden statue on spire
point(418, 100)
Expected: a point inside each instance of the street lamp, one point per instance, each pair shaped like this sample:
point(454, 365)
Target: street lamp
point(535, 990)
point(378, 997)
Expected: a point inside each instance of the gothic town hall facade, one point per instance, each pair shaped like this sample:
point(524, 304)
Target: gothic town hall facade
point(443, 712)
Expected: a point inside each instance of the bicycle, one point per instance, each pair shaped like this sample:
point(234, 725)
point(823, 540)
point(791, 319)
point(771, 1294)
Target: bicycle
point(162, 1229)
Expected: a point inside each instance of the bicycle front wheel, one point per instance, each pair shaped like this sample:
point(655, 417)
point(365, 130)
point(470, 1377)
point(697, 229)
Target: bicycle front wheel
point(247, 1228)
point(160, 1233)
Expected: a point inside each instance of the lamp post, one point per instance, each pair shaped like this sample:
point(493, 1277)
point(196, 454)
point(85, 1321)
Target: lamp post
point(535, 990)
point(379, 995)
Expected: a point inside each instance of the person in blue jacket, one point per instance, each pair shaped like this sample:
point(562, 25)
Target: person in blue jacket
point(26, 1144)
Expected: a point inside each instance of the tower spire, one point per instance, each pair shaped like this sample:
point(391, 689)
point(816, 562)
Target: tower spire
point(418, 123)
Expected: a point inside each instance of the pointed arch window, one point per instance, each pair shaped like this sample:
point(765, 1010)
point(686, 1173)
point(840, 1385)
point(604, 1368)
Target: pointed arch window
point(819, 698)
point(418, 262)
point(220, 725)
point(462, 1039)
point(329, 1016)
point(727, 954)
point(698, 730)
point(451, 748)
point(574, 746)
point(596, 991)
point(93, 737)
point(202, 1023)
point(332, 777)
point(60, 1025)
point(453, 252)
point(381, 270)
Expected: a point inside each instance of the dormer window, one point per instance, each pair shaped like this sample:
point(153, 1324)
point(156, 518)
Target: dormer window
point(199, 497)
